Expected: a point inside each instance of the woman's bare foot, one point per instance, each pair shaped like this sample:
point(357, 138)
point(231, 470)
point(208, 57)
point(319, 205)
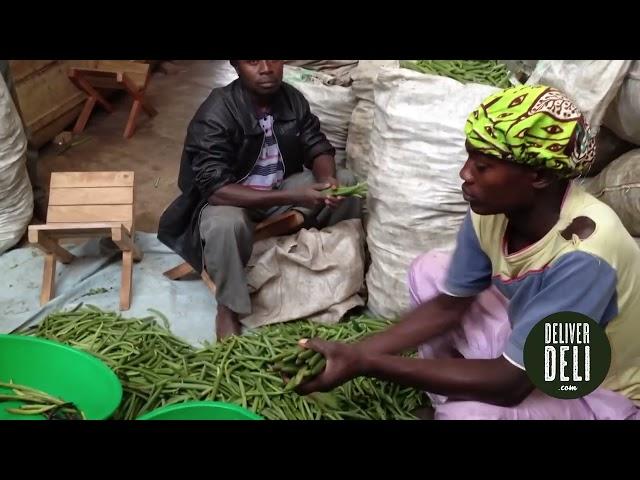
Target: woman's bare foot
point(227, 323)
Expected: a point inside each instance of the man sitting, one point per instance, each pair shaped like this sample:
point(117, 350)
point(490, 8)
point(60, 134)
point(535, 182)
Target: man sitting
point(244, 161)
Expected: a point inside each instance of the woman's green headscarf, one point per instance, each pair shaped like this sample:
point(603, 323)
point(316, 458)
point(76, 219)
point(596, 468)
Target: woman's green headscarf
point(533, 125)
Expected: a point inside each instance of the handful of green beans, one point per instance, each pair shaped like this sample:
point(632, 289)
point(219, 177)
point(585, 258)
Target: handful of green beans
point(36, 402)
point(359, 190)
point(487, 72)
point(157, 369)
point(299, 364)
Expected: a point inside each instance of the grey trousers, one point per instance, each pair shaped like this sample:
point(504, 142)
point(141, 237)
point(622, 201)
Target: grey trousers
point(227, 235)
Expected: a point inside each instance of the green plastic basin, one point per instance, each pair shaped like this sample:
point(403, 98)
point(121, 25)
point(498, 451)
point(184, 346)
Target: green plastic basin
point(201, 411)
point(58, 370)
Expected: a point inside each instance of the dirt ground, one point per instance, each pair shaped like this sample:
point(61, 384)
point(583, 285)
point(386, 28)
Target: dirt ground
point(154, 151)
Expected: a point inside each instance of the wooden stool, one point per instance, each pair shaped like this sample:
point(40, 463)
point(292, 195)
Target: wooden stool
point(132, 77)
point(88, 204)
point(284, 224)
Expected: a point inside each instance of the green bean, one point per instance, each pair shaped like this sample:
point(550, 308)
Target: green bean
point(243, 396)
point(358, 190)
point(163, 317)
point(152, 398)
point(156, 368)
point(191, 386)
point(36, 402)
point(133, 409)
point(490, 72)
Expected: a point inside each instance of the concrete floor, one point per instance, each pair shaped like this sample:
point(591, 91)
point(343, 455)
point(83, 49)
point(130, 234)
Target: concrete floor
point(154, 151)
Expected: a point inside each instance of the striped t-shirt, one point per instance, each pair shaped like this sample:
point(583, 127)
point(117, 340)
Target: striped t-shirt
point(268, 171)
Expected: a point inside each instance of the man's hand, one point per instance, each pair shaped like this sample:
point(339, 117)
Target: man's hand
point(309, 197)
point(331, 201)
point(344, 362)
point(333, 183)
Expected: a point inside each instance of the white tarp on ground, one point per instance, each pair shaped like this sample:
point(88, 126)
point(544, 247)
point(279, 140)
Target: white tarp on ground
point(288, 277)
point(188, 304)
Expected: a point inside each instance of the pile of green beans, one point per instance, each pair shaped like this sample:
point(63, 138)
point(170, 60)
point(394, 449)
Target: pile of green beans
point(359, 190)
point(156, 368)
point(487, 72)
point(37, 402)
point(298, 365)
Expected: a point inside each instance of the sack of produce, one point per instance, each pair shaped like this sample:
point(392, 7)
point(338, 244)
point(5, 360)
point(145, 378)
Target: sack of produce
point(592, 84)
point(361, 124)
point(414, 200)
point(16, 195)
point(623, 115)
point(332, 104)
point(618, 185)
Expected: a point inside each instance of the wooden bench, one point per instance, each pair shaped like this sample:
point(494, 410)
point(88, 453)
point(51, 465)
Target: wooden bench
point(85, 205)
point(133, 77)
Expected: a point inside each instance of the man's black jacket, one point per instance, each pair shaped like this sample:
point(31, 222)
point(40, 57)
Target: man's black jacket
point(223, 143)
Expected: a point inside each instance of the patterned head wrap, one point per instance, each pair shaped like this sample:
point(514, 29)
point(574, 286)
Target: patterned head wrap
point(533, 125)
